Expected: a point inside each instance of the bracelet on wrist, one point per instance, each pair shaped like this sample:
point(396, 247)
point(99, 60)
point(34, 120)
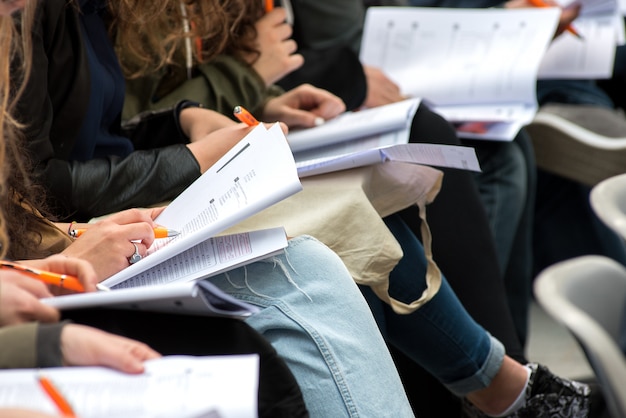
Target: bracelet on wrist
point(71, 231)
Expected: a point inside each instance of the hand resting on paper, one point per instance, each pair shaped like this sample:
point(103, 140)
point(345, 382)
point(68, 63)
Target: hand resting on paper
point(86, 346)
point(304, 106)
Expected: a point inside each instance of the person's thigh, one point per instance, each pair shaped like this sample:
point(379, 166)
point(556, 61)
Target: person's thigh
point(316, 318)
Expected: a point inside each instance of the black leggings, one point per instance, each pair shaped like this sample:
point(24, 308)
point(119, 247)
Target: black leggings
point(463, 245)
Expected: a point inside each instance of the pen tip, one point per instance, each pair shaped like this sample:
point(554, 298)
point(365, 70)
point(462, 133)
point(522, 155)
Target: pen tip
point(102, 287)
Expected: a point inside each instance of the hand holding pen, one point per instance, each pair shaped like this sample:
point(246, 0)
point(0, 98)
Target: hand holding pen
point(19, 300)
point(568, 14)
point(244, 116)
point(59, 280)
point(159, 232)
point(110, 244)
point(565, 20)
point(23, 284)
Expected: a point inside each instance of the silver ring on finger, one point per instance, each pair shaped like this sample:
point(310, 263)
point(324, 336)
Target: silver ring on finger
point(136, 256)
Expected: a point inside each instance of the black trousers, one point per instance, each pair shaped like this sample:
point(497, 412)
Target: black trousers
point(171, 334)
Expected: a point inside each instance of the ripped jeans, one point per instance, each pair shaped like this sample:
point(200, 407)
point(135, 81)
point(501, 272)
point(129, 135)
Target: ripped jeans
point(318, 321)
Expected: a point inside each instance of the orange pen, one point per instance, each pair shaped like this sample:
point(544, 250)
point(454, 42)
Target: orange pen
point(63, 281)
point(569, 28)
point(62, 404)
point(269, 6)
point(159, 232)
point(244, 116)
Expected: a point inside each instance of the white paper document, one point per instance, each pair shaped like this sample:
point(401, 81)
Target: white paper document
point(591, 57)
point(365, 123)
point(211, 257)
point(482, 63)
point(198, 297)
point(174, 386)
point(258, 172)
point(365, 152)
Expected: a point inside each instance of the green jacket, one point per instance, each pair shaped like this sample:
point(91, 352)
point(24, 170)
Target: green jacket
point(31, 345)
point(219, 85)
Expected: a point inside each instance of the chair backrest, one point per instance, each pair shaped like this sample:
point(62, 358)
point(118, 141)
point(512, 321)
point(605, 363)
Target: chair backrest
point(588, 295)
point(608, 200)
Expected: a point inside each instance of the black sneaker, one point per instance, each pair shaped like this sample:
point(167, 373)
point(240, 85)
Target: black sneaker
point(547, 396)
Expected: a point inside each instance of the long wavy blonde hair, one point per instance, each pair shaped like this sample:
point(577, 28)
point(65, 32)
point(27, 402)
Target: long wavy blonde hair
point(14, 169)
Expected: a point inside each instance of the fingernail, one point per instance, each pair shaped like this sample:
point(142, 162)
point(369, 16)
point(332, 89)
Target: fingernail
point(319, 121)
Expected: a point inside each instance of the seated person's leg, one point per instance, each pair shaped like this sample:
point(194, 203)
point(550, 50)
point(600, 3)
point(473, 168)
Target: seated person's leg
point(440, 336)
point(445, 340)
point(463, 244)
point(507, 188)
point(315, 317)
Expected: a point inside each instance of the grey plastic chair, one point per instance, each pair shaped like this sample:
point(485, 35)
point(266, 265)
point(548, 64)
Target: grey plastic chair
point(588, 295)
point(583, 143)
point(608, 200)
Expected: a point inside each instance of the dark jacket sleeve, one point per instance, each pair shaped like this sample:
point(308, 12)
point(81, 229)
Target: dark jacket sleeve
point(31, 345)
point(143, 178)
point(53, 106)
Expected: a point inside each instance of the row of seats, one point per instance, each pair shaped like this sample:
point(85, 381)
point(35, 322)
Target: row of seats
point(588, 295)
point(580, 142)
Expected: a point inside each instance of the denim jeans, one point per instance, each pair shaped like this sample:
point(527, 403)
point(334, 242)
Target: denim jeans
point(440, 336)
point(315, 317)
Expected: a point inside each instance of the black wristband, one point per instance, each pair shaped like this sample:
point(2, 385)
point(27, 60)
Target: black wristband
point(183, 104)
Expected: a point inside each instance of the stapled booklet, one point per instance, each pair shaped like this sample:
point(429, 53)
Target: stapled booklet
point(477, 66)
point(372, 136)
point(177, 284)
point(192, 298)
point(256, 173)
point(171, 386)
